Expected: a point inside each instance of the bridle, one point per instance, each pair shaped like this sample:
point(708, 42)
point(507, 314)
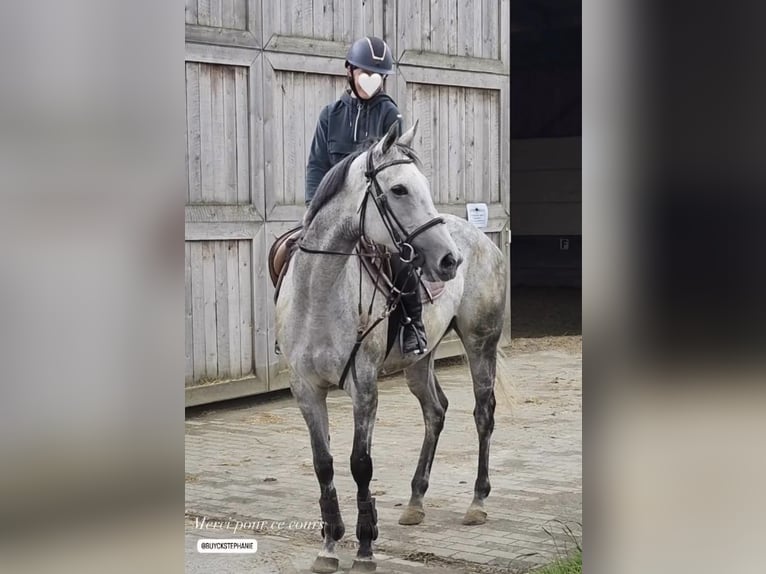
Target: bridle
point(396, 231)
point(393, 225)
point(401, 239)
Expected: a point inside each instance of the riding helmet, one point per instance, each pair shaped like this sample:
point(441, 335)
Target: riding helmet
point(372, 54)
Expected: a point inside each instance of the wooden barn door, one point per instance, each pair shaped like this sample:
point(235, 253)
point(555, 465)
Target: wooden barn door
point(258, 73)
point(226, 296)
point(454, 77)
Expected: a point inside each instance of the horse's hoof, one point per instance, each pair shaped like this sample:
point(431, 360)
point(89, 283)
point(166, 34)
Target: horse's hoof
point(325, 565)
point(360, 566)
point(412, 515)
point(474, 516)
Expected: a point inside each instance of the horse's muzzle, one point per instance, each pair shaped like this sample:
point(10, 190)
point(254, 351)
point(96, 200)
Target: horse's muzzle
point(448, 266)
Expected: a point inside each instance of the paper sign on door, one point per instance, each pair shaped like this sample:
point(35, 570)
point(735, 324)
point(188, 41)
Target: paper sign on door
point(478, 214)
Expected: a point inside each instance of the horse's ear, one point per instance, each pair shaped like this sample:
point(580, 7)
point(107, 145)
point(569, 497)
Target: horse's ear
point(388, 140)
point(409, 136)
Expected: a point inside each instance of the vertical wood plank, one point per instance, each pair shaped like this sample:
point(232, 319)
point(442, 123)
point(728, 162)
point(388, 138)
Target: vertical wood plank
point(444, 144)
point(304, 25)
point(233, 298)
point(193, 131)
point(319, 19)
point(259, 89)
point(413, 35)
point(230, 131)
point(389, 18)
point(460, 107)
point(216, 16)
point(240, 14)
point(203, 12)
point(470, 145)
point(494, 30)
point(268, 20)
point(409, 115)
point(379, 19)
point(245, 307)
point(439, 26)
point(198, 310)
point(494, 167)
point(287, 13)
point(261, 305)
point(435, 120)
point(289, 136)
point(304, 96)
point(348, 22)
point(476, 29)
point(221, 308)
point(208, 280)
point(188, 317)
point(356, 22)
point(369, 19)
point(402, 40)
point(280, 182)
point(464, 21)
point(191, 11)
point(486, 39)
point(452, 27)
point(227, 13)
point(479, 126)
point(488, 129)
point(270, 152)
point(504, 43)
point(217, 97)
point(312, 99)
point(453, 145)
point(425, 142)
point(425, 25)
point(337, 21)
point(206, 133)
point(505, 146)
point(241, 129)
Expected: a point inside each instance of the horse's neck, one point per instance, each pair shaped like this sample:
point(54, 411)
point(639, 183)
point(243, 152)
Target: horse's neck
point(334, 228)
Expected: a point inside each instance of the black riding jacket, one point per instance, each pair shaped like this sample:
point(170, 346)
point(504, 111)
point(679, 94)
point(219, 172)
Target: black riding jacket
point(342, 126)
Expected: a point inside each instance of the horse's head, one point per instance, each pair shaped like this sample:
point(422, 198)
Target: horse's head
point(400, 211)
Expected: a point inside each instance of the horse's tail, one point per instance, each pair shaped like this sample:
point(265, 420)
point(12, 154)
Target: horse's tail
point(504, 388)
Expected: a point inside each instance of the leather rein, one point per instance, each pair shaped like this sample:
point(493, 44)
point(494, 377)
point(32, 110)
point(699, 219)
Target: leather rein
point(401, 239)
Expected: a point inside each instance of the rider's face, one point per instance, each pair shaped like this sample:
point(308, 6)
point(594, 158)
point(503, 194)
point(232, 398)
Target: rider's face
point(359, 89)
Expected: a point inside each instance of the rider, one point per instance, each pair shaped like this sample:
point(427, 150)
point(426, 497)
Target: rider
point(356, 117)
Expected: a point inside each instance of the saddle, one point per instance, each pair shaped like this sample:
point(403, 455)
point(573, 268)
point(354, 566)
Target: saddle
point(375, 262)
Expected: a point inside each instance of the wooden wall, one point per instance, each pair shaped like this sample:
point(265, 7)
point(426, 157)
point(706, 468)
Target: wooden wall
point(258, 73)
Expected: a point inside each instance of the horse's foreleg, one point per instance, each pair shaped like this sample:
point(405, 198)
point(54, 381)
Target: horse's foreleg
point(483, 361)
point(313, 405)
point(424, 385)
point(365, 398)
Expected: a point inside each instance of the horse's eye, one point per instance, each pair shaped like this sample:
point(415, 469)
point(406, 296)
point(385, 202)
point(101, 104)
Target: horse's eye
point(399, 190)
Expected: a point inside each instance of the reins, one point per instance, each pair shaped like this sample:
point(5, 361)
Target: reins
point(403, 242)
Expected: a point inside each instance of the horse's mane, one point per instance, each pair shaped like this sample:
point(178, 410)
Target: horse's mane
point(334, 179)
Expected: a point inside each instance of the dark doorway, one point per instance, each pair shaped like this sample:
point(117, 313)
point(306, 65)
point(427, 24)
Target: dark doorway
point(546, 193)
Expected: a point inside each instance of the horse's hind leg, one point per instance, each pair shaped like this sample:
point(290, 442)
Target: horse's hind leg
point(313, 404)
point(481, 347)
point(423, 384)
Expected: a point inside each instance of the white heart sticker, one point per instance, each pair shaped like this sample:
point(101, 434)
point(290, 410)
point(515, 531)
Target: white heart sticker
point(370, 84)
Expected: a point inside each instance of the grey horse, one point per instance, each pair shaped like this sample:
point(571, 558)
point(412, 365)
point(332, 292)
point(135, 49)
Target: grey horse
point(318, 321)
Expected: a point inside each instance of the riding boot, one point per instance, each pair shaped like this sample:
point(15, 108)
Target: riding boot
point(413, 333)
